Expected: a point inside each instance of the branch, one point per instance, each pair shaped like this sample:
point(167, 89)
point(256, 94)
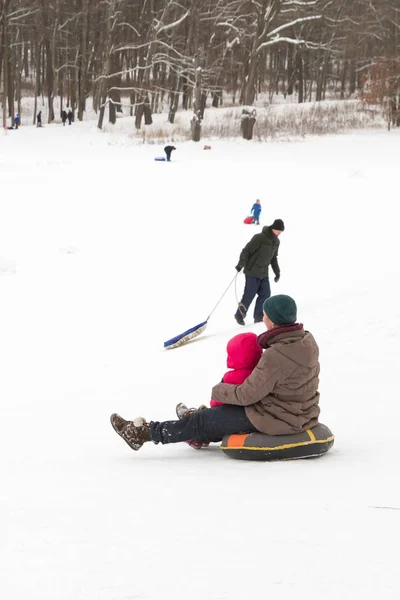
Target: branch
point(129, 25)
point(174, 24)
point(292, 23)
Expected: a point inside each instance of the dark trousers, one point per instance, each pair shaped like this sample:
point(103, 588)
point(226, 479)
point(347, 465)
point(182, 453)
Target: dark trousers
point(168, 155)
point(208, 425)
point(254, 286)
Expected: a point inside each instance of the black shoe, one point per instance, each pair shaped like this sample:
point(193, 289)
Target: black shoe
point(239, 319)
point(258, 320)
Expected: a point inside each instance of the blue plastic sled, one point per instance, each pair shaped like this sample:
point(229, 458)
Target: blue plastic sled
point(161, 158)
point(186, 336)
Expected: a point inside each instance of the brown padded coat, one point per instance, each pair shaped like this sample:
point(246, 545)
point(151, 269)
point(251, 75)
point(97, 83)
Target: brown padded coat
point(281, 394)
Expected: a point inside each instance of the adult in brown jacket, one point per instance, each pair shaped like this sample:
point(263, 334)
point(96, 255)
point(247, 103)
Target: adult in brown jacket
point(279, 397)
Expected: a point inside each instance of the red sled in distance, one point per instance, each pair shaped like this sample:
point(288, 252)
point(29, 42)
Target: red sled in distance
point(248, 220)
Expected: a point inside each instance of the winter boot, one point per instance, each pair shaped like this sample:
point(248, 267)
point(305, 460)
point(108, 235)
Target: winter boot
point(182, 412)
point(240, 314)
point(134, 433)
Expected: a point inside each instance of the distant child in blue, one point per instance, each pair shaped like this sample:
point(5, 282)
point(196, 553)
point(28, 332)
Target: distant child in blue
point(256, 210)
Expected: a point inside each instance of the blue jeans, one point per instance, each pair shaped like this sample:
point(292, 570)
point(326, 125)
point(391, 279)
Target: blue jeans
point(254, 286)
point(208, 425)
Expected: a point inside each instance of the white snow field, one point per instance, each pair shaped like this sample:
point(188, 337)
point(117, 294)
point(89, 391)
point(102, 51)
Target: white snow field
point(104, 255)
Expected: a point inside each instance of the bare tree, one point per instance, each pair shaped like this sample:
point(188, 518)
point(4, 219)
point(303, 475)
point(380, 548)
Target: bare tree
point(142, 54)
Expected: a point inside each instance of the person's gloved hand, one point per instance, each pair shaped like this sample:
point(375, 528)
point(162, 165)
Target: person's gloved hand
point(238, 269)
point(277, 278)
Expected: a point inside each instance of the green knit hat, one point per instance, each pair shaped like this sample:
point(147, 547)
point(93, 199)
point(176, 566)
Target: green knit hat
point(281, 309)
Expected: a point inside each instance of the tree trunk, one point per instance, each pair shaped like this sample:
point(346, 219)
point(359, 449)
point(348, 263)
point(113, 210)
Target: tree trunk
point(139, 115)
point(300, 75)
point(185, 92)
point(5, 71)
point(343, 79)
point(249, 90)
point(321, 78)
point(148, 119)
point(82, 88)
point(290, 70)
point(248, 120)
point(106, 70)
point(217, 99)
point(37, 78)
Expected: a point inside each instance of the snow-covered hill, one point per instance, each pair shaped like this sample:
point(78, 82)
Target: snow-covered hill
point(104, 254)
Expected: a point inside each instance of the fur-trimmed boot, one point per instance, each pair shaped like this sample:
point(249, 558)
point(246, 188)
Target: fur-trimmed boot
point(134, 433)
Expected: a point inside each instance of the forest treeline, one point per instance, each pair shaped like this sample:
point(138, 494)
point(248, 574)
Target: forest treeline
point(137, 56)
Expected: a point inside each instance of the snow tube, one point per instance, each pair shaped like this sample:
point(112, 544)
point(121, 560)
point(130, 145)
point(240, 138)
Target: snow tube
point(160, 158)
point(260, 446)
point(248, 220)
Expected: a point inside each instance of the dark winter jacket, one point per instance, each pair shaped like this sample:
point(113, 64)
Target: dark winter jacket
point(281, 394)
point(259, 253)
point(64, 116)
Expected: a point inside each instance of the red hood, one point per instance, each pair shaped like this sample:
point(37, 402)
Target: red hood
point(243, 351)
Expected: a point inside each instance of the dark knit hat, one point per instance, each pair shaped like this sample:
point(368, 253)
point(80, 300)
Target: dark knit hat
point(278, 224)
point(281, 309)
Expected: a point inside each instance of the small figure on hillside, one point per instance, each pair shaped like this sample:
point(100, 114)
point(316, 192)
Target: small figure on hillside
point(17, 121)
point(256, 210)
point(243, 355)
point(64, 117)
point(39, 119)
point(168, 151)
point(255, 258)
point(70, 116)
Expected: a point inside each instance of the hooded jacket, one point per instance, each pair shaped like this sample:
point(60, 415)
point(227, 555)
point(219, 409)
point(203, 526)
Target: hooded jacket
point(243, 355)
point(281, 394)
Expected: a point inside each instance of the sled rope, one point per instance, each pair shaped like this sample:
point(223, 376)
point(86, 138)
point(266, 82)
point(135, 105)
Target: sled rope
point(234, 279)
point(236, 294)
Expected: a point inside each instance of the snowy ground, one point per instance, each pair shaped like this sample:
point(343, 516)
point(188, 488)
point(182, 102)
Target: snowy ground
point(104, 254)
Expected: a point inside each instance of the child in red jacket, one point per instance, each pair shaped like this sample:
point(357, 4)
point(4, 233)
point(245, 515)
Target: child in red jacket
point(243, 355)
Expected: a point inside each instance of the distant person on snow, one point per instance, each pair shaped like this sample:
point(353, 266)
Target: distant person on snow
point(70, 116)
point(255, 258)
point(168, 151)
point(64, 117)
point(280, 396)
point(256, 210)
point(243, 355)
point(17, 121)
point(39, 119)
